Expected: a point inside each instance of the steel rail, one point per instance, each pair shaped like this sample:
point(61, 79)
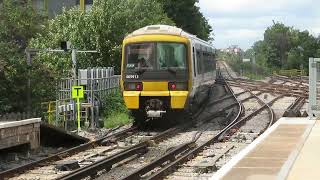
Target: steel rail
point(287, 91)
point(294, 109)
point(182, 157)
point(225, 98)
point(60, 155)
point(107, 162)
point(189, 153)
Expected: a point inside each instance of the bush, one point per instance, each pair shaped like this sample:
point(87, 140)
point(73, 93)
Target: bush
point(117, 119)
point(115, 112)
point(113, 103)
point(103, 28)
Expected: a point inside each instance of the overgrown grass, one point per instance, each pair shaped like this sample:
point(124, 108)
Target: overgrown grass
point(252, 71)
point(114, 110)
point(117, 119)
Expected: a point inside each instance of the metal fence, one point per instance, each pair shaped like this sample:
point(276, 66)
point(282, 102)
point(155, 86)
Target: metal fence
point(97, 82)
point(314, 87)
point(290, 72)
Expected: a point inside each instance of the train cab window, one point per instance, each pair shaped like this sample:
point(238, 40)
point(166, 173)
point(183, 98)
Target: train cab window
point(171, 55)
point(156, 56)
point(140, 56)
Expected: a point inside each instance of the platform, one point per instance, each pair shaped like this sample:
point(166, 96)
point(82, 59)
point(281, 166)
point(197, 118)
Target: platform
point(14, 133)
point(288, 150)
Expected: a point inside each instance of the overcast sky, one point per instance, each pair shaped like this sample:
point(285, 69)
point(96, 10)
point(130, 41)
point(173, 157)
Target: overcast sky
point(242, 22)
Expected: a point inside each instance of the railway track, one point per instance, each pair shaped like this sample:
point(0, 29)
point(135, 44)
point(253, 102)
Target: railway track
point(286, 86)
point(101, 155)
point(187, 155)
point(69, 152)
point(162, 166)
point(209, 160)
point(223, 128)
point(255, 122)
point(93, 157)
point(246, 127)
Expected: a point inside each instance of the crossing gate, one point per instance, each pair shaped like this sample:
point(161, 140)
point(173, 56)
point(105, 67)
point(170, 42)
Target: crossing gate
point(314, 87)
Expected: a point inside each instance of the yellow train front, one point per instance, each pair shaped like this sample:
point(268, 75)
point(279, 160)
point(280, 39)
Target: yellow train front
point(165, 71)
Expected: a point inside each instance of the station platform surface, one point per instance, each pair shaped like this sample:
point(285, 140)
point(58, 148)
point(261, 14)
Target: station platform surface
point(8, 124)
point(14, 133)
point(290, 149)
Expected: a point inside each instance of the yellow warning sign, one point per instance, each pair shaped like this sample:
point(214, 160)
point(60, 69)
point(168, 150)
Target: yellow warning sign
point(77, 92)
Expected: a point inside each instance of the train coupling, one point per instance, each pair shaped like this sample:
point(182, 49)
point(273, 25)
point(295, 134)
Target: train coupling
point(155, 114)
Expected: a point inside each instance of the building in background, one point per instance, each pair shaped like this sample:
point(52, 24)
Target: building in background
point(55, 7)
point(235, 49)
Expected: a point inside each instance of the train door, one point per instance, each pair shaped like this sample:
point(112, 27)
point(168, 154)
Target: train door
point(195, 74)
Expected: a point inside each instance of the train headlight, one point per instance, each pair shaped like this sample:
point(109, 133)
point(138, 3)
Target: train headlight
point(133, 86)
point(178, 86)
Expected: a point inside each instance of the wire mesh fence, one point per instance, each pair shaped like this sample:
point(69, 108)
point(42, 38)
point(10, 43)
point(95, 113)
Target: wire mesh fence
point(97, 83)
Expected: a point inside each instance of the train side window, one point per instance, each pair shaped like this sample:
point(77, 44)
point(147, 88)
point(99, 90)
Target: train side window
point(205, 62)
point(213, 61)
point(199, 62)
point(194, 62)
point(209, 62)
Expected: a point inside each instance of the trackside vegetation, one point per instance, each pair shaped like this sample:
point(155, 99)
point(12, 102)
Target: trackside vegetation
point(101, 28)
point(283, 47)
point(115, 112)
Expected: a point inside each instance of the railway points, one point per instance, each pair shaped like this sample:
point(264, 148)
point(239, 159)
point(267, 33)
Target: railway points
point(193, 151)
point(229, 118)
point(150, 89)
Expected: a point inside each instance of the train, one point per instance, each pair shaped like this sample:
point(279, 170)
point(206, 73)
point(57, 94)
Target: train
point(165, 71)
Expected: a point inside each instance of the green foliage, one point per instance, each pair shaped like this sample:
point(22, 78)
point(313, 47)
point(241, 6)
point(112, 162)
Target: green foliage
point(284, 47)
point(117, 119)
point(277, 37)
point(18, 24)
point(248, 69)
point(188, 16)
point(113, 102)
point(114, 110)
point(103, 29)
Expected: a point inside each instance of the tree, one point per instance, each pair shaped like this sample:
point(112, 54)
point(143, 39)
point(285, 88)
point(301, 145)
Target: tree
point(187, 16)
point(19, 22)
point(285, 47)
point(260, 50)
point(305, 46)
point(103, 28)
point(277, 38)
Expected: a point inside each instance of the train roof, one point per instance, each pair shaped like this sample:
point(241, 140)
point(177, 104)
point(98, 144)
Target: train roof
point(166, 30)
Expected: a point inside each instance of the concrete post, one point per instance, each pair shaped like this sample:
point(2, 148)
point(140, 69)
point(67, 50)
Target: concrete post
point(313, 106)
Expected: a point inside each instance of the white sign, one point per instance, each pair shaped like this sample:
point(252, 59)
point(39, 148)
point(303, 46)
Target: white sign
point(245, 60)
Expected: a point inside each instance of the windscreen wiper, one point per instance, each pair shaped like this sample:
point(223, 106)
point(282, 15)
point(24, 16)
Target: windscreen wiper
point(140, 71)
point(172, 70)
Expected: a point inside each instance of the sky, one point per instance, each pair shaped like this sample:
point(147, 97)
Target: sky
point(243, 22)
